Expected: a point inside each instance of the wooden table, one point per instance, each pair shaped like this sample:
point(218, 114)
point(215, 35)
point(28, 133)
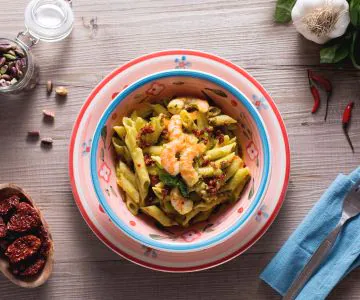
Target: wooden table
point(108, 33)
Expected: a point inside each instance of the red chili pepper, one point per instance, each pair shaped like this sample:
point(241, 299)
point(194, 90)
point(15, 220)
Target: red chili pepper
point(347, 113)
point(322, 81)
point(325, 84)
point(346, 121)
point(316, 96)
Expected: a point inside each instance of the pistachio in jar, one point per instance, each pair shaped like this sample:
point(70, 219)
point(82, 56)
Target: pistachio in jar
point(13, 63)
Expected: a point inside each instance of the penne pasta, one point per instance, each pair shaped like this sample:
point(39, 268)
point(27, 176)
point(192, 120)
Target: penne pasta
point(154, 150)
point(158, 215)
point(209, 171)
point(225, 161)
point(220, 152)
point(177, 163)
point(187, 121)
point(221, 120)
point(236, 164)
point(132, 206)
point(121, 131)
point(129, 175)
point(129, 188)
point(159, 109)
point(242, 175)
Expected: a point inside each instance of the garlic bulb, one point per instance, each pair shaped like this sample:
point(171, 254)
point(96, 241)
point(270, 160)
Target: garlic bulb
point(321, 20)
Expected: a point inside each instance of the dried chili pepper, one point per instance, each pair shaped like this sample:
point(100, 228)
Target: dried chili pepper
point(346, 121)
point(316, 96)
point(315, 93)
point(325, 84)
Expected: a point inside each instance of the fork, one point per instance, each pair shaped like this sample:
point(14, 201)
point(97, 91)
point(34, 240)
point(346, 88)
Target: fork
point(350, 209)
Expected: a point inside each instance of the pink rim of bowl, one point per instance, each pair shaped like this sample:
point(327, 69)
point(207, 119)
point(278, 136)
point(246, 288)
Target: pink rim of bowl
point(232, 70)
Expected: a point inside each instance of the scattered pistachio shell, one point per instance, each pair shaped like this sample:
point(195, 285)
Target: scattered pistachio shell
point(3, 69)
point(34, 133)
point(13, 71)
point(12, 63)
point(47, 141)
point(6, 77)
point(9, 56)
point(13, 81)
point(19, 53)
point(5, 47)
point(61, 91)
point(49, 87)
point(49, 114)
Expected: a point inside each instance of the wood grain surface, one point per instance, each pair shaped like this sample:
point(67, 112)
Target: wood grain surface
point(238, 30)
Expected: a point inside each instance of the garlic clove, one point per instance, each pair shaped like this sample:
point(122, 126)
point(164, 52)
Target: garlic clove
point(341, 26)
point(321, 20)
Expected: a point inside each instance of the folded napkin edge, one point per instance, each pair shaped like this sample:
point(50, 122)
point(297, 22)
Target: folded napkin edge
point(271, 285)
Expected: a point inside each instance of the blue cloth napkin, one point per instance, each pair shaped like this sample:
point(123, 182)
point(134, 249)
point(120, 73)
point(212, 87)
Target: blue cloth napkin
point(296, 252)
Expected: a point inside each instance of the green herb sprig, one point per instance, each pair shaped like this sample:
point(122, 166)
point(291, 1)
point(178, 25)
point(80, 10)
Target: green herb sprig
point(174, 181)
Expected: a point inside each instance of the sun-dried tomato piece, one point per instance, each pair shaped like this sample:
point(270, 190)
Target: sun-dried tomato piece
point(148, 160)
point(6, 205)
point(154, 179)
point(45, 241)
point(165, 134)
point(147, 129)
point(165, 191)
point(29, 269)
point(2, 228)
point(23, 248)
point(24, 219)
point(220, 136)
point(3, 245)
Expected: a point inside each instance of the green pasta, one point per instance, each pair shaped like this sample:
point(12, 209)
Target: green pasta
point(159, 109)
point(220, 152)
point(221, 120)
point(132, 206)
point(178, 162)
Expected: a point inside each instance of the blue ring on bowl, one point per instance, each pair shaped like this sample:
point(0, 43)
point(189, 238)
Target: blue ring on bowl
point(221, 236)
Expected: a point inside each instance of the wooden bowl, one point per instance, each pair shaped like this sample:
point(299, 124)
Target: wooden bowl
point(8, 190)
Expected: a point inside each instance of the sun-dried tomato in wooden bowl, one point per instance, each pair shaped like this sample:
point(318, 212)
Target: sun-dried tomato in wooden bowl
point(26, 245)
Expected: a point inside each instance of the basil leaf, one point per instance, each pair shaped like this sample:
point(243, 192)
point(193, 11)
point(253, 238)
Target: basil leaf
point(283, 10)
point(355, 50)
point(169, 180)
point(334, 54)
point(355, 12)
point(183, 189)
point(174, 181)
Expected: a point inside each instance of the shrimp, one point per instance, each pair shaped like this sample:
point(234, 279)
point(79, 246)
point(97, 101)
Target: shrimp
point(175, 127)
point(168, 156)
point(201, 105)
point(187, 170)
point(180, 204)
point(176, 105)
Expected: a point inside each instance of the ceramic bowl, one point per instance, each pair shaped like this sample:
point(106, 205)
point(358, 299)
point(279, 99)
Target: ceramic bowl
point(168, 84)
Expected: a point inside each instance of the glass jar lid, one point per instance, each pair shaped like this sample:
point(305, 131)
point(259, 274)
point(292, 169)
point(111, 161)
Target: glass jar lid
point(49, 20)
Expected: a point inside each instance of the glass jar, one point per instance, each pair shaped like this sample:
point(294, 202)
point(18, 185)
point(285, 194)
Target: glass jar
point(45, 20)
